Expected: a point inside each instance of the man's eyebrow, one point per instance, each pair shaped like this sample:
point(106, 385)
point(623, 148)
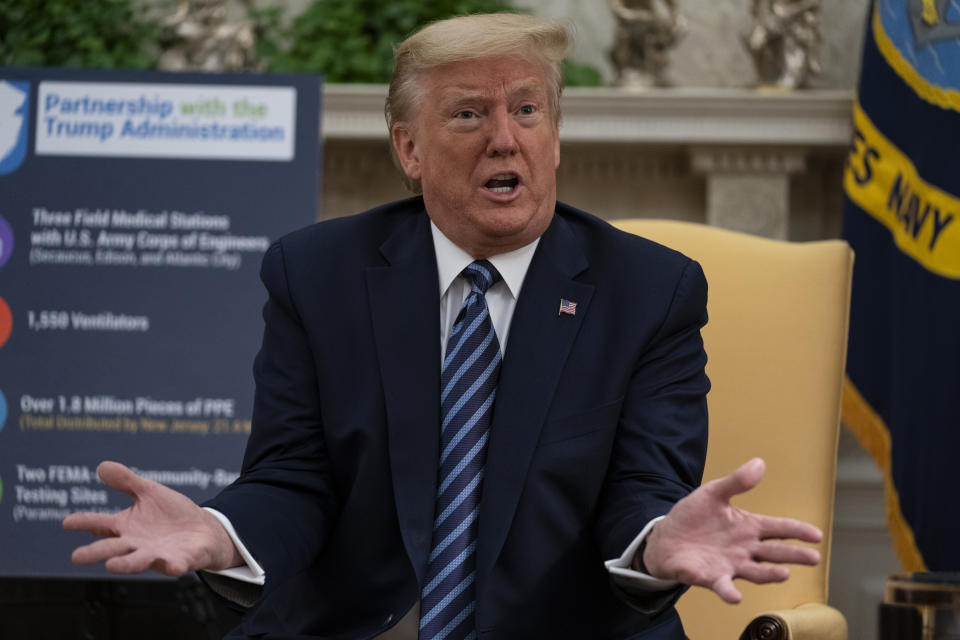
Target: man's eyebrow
point(527, 89)
point(457, 96)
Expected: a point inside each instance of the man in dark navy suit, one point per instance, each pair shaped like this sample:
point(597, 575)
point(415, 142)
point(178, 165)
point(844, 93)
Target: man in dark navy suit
point(479, 412)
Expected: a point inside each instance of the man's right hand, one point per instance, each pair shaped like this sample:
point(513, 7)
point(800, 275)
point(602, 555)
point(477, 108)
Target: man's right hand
point(163, 530)
point(706, 541)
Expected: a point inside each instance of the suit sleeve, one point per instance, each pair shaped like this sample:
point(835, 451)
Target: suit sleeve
point(284, 504)
point(661, 441)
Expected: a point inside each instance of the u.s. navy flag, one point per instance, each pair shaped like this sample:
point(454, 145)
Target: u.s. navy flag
point(902, 217)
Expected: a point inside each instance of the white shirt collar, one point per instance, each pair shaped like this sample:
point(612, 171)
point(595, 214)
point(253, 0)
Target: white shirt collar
point(452, 260)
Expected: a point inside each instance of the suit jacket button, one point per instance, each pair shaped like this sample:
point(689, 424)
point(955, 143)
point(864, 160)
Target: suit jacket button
point(388, 620)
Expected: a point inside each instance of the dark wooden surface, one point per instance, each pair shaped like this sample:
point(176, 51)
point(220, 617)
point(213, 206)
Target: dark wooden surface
point(56, 609)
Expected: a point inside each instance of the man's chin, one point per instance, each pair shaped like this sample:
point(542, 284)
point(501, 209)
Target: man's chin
point(517, 226)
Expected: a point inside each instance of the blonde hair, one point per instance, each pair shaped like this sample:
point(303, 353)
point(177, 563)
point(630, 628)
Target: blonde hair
point(469, 38)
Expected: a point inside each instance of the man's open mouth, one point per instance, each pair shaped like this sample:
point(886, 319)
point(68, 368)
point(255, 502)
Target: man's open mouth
point(502, 183)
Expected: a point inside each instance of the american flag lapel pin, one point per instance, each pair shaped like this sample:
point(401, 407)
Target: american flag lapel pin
point(568, 307)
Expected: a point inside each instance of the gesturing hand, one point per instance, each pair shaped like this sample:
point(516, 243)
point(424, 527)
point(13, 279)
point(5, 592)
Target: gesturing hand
point(706, 541)
point(163, 530)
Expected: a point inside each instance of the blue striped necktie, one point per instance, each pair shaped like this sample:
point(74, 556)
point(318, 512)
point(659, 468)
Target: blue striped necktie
point(468, 387)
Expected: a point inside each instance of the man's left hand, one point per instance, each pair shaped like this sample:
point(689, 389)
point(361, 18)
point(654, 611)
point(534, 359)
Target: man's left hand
point(706, 541)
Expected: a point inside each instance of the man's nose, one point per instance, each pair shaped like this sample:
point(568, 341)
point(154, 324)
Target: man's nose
point(503, 140)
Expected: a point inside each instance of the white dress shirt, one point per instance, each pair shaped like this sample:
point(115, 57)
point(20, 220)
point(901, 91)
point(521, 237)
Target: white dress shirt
point(501, 301)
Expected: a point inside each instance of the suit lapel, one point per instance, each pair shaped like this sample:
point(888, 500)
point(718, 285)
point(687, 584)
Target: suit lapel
point(540, 340)
point(405, 302)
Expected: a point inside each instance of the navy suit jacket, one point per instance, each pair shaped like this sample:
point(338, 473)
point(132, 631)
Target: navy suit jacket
point(599, 426)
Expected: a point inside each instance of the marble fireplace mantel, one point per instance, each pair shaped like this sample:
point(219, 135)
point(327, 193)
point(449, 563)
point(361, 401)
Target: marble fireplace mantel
point(732, 153)
point(661, 116)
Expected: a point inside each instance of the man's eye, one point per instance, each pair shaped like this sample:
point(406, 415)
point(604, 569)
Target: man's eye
point(465, 115)
point(528, 110)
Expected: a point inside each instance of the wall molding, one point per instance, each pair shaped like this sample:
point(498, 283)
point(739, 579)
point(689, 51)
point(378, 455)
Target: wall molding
point(747, 159)
point(860, 491)
point(809, 118)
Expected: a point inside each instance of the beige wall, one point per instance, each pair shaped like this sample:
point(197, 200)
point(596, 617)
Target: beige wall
point(711, 54)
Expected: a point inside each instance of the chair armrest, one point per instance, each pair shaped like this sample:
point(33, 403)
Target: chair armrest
point(807, 622)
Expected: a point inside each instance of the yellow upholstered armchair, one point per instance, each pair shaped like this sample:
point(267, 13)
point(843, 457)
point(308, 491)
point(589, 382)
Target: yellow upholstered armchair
point(776, 344)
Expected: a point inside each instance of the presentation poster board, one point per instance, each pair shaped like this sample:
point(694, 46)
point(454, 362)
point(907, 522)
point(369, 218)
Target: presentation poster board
point(134, 212)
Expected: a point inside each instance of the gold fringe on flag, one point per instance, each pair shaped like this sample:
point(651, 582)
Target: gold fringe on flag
point(873, 435)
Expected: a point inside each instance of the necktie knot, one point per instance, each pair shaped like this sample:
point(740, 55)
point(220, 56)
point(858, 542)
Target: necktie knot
point(481, 275)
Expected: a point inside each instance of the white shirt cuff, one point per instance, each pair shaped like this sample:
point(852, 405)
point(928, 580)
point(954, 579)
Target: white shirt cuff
point(620, 569)
point(252, 572)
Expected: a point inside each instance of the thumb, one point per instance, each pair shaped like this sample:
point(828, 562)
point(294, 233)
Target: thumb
point(121, 478)
point(742, 480)
point(724, 588)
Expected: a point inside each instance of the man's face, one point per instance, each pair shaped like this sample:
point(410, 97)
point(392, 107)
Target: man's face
point(485, 149)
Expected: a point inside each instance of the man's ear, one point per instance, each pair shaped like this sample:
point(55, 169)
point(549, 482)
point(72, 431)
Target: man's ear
point(405, 146)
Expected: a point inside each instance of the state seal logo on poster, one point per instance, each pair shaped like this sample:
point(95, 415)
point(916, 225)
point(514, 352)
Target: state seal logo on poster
point(14, 114)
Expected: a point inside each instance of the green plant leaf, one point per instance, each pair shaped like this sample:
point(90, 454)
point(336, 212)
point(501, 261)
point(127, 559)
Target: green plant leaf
point(353, 40)
point(105, 33)
point(581, 75)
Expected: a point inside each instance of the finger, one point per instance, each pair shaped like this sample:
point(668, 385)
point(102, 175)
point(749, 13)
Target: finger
point(99, 524)
point(121, 478)
point(170, 567)
point(741, 480)
point(134, 562)
point(782, 552)
point(763, 573)
point(101, 550)
point(723, 587)
point(787, 529)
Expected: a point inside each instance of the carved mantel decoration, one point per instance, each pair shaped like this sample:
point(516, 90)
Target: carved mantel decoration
point(646, 30)
point(784, 42)
point(200, 37)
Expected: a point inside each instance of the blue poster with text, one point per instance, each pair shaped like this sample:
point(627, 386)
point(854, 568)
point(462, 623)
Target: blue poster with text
point(134, 210)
